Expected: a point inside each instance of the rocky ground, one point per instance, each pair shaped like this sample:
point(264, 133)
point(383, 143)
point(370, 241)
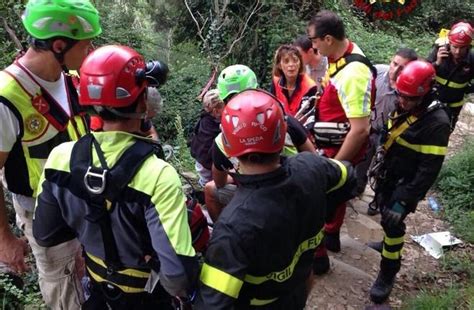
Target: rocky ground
point(353, 271)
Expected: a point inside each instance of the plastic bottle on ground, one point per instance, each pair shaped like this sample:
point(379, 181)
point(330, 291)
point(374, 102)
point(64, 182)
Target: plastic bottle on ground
point(434, 205)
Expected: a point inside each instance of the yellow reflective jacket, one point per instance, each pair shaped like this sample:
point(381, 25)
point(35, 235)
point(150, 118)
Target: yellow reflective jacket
point(43, 125)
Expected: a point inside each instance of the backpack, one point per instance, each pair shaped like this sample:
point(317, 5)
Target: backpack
point(103, 184)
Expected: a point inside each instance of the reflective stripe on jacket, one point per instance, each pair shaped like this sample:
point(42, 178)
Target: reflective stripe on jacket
point(452, 80)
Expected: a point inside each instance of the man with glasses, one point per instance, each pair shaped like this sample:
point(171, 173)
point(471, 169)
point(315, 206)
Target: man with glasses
point(39, 110)
point(407, 164)
point(385, 102)
point(344, 107)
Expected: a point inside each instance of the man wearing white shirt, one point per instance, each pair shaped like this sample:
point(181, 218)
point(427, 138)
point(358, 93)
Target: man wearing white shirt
point(39, 110)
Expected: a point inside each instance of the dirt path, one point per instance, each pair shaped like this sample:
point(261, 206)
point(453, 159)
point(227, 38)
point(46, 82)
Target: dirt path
point(353, 271)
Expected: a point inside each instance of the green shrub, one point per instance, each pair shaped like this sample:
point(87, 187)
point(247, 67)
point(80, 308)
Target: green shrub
point(456, 184)
point(458, 262)
point(10, 12)
point(381, 39)
point(182, 160)
point(180, 96)
point(12, 297)
point(436, 300)
point(436, 14)
point(450, 293)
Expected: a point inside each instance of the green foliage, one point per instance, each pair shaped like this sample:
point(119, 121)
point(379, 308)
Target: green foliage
point(456, 184)
point(458, 262)
point(436, 300)
point(450, 293)
point(182, 159)
point(275, 23)
point(10, 12)
point(180, 96)
point(129, 24)
point(437, 14)
point(381, 39)
point(12, 297)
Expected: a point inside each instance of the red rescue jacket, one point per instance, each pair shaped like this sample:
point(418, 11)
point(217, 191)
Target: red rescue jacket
point(305, 86)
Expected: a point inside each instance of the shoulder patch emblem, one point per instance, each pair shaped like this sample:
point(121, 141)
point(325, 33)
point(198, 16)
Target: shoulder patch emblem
point(35, 124)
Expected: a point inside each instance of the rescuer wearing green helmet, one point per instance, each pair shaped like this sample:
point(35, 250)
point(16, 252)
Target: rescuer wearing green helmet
point(39, 110)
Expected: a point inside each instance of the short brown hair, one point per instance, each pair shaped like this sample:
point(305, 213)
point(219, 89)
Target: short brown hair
point(328, 23)
point(259, 158)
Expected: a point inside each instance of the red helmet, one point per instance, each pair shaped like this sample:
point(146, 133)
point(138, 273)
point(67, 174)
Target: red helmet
point(461, 34)
point(112, 76)
point(253, 121)
point(416, 79)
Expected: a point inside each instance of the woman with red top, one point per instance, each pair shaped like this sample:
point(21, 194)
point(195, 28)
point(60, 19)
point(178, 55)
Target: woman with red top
point(290, 84)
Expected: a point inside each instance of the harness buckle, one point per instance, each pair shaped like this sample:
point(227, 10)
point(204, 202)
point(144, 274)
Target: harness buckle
point(95, 175)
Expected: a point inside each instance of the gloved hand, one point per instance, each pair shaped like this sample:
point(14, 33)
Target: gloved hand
point(394, 214)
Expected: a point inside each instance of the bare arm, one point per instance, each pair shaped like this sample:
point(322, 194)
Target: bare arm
point(306, 146)
point(355, 139)
point(12, 249)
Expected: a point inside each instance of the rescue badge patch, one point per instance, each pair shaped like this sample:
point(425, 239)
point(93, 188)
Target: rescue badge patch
point(35, 124)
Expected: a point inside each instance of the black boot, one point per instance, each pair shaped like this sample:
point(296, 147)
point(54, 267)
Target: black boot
point(321, 265)
point(377, 246)
point(333, 242)
point(381, 288)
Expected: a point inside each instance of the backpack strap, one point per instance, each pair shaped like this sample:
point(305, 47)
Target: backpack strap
point(344, 61)
point(104, 186)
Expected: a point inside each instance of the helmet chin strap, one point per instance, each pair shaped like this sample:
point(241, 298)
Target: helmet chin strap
point(145, 125)
point(60, 55)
